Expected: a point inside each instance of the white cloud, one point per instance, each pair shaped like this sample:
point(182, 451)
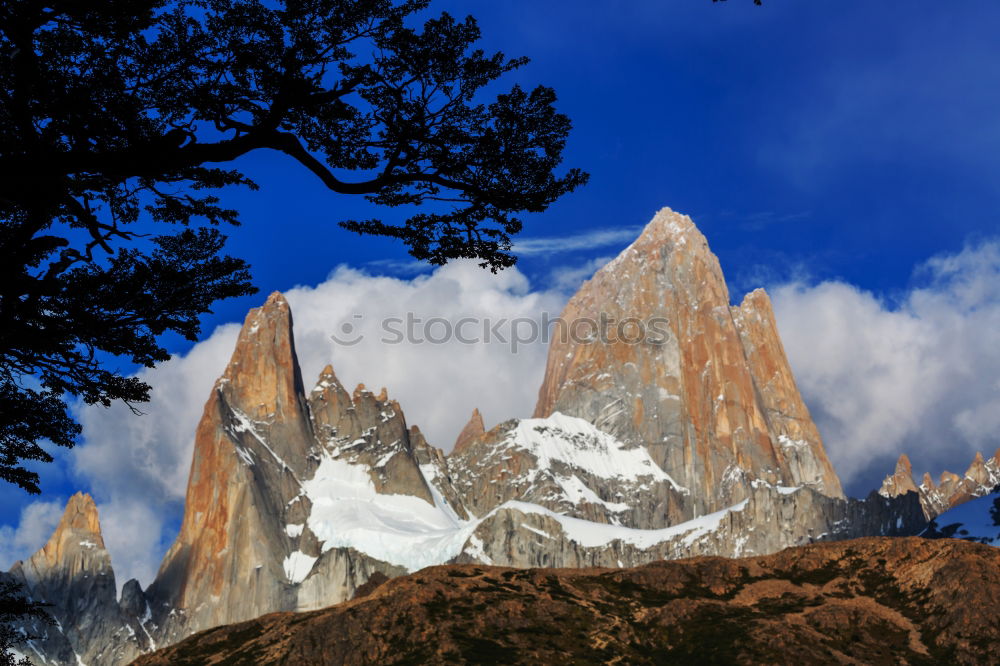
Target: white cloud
point(920, 376)
point(586, 241)
point(38, 521)
point(138, 466)
point(569, 278)
point(437, 385)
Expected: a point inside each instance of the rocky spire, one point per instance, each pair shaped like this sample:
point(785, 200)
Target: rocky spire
point(981, 477)
point(901, 480)
point(702, 386)
point(369, 430)
point(252, 448)
point(977, 471)
point(262, 383)
point(72, 573)
point(800, 451)
point(245, 545)
point(473, 429)
point(75, 549)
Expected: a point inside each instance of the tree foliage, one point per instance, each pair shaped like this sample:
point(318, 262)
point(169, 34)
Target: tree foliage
point(15, 611)
point(118, 119)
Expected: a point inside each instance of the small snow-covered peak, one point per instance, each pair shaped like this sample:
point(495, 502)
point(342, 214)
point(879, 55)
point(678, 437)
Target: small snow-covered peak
point(974, 520)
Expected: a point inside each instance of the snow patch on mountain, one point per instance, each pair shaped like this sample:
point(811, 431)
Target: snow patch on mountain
point(576, 442)
point(591, 535)
point(400, 529)
point(406, 531)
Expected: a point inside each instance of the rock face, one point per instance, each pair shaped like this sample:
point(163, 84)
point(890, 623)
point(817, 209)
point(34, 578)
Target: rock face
point(472, 430)
point(695, 442)
point(73, 574)
point(980, 479)
point(869, 601)
point(707, 389)
point(770, 519)
point(245, 546)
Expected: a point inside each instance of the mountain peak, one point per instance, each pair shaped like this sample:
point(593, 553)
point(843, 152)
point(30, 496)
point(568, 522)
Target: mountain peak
point(979, 479)
point(472, 430)
point(263, 372)
point(276, 299)
point(79, 525)
point(712, 395)
point(668, 223)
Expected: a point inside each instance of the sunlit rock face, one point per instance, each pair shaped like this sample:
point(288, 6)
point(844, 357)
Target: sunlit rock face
point(246, 545)
point(981, 478)
point(709, 393)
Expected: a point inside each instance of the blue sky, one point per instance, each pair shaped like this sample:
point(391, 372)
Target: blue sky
point(849, 141)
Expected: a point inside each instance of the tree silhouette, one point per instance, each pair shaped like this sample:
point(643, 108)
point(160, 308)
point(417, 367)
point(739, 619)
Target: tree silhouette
point(116, 121)
point(15, 610)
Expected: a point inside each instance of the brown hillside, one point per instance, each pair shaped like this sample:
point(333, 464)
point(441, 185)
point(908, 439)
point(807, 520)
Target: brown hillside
point(871, 601)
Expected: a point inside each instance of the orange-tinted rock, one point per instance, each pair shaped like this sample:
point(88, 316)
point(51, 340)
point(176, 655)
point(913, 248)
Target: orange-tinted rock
point(473, 429)
point(979, 479)
point(245, 546)
point(800, 447)
point(705, 388)
point(901, 480)
point(252, 448)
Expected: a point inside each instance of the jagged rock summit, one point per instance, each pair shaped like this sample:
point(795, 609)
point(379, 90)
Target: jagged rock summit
point(697, 443)
point(474, 429)
point(712, 397)
point(980, 479)
point(72, 573)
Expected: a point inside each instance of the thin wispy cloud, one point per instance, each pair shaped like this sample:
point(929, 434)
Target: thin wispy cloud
point(589, 240)
point(533, 247)
point(400, 266)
